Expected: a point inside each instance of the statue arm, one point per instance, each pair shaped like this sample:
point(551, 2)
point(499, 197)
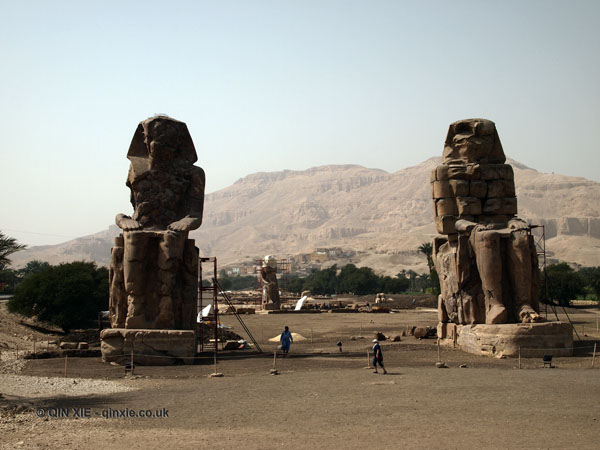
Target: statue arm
point(185, 224)
point(193, 219)
point(127, 223)
point(463, 225)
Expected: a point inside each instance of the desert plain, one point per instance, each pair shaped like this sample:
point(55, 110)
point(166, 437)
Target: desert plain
point(321, 397)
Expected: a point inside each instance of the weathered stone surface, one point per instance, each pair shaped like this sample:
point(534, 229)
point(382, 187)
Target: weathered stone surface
point(68, 345)
point(478, 189)
point(150, 347)
point(154, 266)
point(473, 141)
point(488, 264)
point(445, 224)
point(468, 206)
point(492, 206)
point(531, 339)
point(380, 336)
point(441, 172)
point(446, 207)
point(424, 332)
point(459, 188)
point(441, 189)
point(495, 189)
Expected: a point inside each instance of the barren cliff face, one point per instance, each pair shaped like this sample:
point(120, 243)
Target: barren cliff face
point(384, 215)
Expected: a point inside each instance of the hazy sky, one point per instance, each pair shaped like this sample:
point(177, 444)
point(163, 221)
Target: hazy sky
point(273, 85)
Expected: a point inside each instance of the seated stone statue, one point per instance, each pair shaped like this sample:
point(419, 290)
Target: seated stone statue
point(153, 272)
point(487, 263)
point(268, 275)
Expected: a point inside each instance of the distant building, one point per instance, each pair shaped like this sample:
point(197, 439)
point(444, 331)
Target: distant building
point(319, 256)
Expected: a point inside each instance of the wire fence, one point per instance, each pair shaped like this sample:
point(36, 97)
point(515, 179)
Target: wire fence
point(311, 344)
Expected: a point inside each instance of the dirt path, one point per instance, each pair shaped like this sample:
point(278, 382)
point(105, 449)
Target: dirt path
point(332, 407)
point(321, 399)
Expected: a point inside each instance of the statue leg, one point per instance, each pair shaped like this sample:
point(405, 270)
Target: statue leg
point(170, 255)
point(486, 244)
point(185, 317)
point(118, 296)
point(521, 273)
point(134, 275)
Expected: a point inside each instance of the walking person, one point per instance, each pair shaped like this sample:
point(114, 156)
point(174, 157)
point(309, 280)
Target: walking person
point(286, 339)
point(377, 356)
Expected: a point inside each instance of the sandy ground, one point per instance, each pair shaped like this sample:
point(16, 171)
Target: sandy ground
point(321, 398)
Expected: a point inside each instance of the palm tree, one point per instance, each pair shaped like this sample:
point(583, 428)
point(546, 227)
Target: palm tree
point(427, 250)
point(8, 246)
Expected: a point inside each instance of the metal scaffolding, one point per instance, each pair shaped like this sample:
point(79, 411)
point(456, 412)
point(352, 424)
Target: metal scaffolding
point(539, 237)
point(207, 293)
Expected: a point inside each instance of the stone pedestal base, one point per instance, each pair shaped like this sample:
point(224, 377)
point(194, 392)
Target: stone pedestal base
point(150, 347)
point(534, 339)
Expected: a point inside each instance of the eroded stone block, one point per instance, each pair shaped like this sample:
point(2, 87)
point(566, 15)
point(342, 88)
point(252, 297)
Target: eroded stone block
point(149, 347)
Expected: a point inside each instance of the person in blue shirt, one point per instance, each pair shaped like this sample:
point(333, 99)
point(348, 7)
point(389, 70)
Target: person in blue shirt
point(286, 339)
point(377, 356)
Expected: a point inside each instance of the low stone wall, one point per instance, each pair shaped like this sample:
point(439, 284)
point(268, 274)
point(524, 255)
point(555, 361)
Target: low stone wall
point(150, 347)
point(533, 339)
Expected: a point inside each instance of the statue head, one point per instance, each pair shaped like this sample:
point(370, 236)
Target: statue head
point(162, 139)
point(473, 141)
point(270, 261)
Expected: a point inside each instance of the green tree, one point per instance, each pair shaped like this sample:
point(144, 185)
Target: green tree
point(68, 295)
point(322, 282)
point(8, 281)
point(394, 285)
point(359, 281)
point(8, 277)
point(296, 284)
point(591, 279)
point(8, 246)
point(32, 267)
point(563, 283)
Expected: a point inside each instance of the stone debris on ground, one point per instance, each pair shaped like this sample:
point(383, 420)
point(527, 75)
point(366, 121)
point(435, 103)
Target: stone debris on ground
point(40, 387)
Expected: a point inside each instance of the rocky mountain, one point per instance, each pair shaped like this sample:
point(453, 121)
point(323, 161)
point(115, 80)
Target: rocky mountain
point(382, 216)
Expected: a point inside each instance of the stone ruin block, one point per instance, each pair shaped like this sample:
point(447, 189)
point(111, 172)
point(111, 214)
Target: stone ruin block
point(495, 189)
point(497, 218)
point(478, 189)
point(445, 224)
point(446, 207)
point(509, 206)
point(468, 206)
point(441, 189)
point(149, 347)
point(492, 206)
point(464, 172)
point(531, 340)
point(460, 188)
point(491, 172)
point(441, 172)
point(432, 176)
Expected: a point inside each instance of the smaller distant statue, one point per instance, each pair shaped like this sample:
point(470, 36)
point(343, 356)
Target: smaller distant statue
point(487, 262)
point(154, 266)
point(268, 275)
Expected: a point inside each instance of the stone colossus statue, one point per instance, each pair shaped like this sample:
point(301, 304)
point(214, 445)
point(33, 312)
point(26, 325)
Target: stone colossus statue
point(153, 271)
point(487, 262)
